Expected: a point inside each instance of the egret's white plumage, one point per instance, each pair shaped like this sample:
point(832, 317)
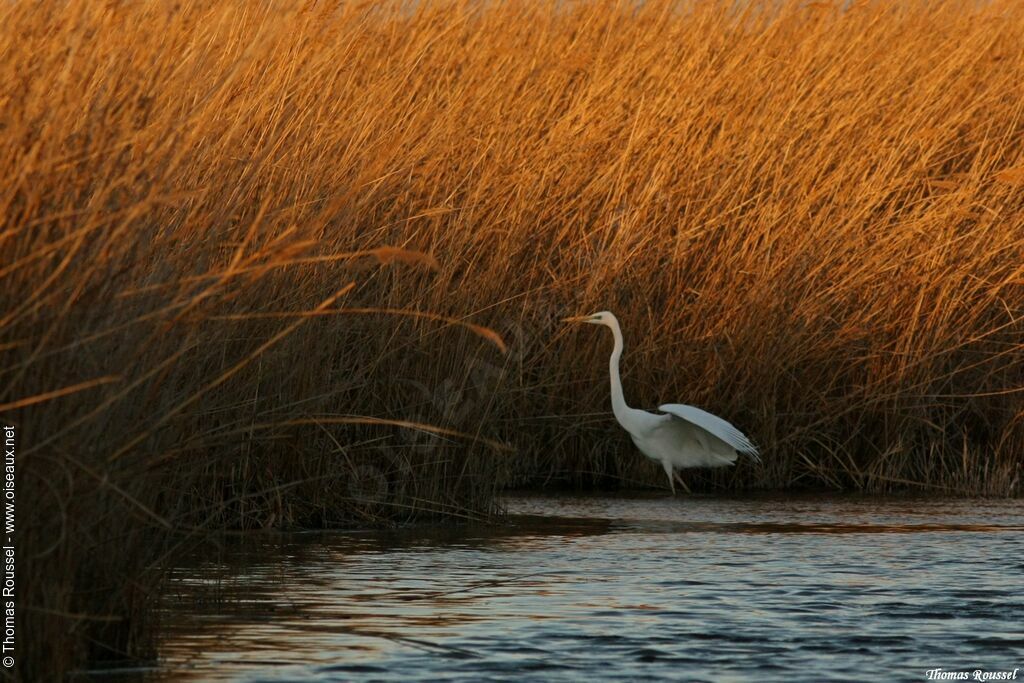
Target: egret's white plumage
point(684, 436)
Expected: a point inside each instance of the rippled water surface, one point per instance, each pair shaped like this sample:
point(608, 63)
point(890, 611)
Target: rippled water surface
point(650, 588)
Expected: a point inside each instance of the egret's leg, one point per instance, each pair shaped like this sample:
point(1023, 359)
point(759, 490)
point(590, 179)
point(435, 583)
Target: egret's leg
point(668, 470)
point(682, 483)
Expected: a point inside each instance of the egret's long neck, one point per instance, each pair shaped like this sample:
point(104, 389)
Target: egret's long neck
point(619, 406)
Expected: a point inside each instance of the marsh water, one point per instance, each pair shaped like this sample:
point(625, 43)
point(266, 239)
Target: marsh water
point(621, 588)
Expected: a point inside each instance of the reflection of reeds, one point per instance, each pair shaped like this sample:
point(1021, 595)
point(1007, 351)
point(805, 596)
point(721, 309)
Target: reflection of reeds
point(809, 221)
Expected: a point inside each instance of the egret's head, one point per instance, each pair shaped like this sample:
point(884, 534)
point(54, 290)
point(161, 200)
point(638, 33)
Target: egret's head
point(600, 318)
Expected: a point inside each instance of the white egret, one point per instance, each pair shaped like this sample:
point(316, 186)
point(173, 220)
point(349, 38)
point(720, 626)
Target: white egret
point(684, 436)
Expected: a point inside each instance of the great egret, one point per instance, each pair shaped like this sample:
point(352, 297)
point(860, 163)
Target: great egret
point(683, 437)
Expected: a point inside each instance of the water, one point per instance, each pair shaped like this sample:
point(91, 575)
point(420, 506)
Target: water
point(647, 588)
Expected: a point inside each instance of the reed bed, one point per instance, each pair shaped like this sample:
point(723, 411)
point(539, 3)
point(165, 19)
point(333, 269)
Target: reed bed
point(216, 239)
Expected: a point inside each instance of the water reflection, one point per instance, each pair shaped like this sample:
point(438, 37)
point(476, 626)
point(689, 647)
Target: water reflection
point(614, 588)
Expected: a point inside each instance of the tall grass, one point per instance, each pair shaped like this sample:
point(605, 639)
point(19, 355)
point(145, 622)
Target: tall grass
point(810, 220)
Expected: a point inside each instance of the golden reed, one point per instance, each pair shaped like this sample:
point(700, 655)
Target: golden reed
point(810, 218)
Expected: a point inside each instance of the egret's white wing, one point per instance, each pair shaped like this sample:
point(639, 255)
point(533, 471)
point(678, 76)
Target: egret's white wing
point(714, 425)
